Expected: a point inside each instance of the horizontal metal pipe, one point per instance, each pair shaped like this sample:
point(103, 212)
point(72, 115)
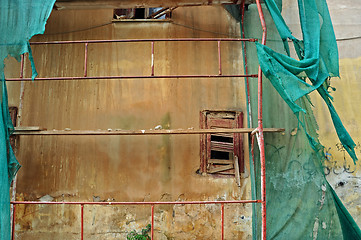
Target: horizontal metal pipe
point(100, 4)
point(141, 132)
point(129, 77)
point(136, 203)
point(150, 40)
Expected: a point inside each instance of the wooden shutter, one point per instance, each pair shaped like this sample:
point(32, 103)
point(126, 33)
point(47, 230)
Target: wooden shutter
point(220, 151)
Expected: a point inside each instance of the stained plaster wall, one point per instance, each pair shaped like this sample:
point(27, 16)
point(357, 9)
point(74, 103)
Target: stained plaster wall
point(154, 168)
point(127, 168)
point(341, 172)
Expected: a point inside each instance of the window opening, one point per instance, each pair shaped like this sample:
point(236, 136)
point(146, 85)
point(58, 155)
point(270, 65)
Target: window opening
point(221, 153)
point(142, 13)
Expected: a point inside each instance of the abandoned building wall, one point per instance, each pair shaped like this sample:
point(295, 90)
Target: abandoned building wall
point(159, 167)
point(127, 168)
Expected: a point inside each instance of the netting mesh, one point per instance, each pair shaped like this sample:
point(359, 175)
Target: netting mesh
point(20, 20)
point(300, 202)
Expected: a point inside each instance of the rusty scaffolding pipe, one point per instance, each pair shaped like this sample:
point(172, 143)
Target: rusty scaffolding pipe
point(148, 40)
point(134, 203)
point(246, 65)
point(82, 221)
point(152, 223)
point(260, 129)
point(130, 77)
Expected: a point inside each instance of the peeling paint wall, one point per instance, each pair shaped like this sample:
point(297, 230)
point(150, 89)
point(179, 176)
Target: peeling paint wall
point(154, 168)
point(127, 168)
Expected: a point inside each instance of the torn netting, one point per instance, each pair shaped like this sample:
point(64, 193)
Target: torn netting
point(20, 20)
point(318, 60)
point(300, 202)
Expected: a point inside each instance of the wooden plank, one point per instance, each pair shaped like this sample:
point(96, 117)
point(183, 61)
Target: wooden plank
point(30, 128)
point(236, 170)
point(222, 146)
point(229, 135)
point(220, 161)
point(203, 143)
point(221, 123)
point(228, 172)
point(220, 169)
point(142, 132)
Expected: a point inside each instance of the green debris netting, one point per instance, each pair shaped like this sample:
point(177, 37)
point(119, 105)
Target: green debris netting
point(300, 202)
point(19, 21)
point(318, 60)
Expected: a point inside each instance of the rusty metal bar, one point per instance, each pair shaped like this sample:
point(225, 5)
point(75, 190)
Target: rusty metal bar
point(99, 4)
point(82, 221)
point(152, 224)
point(86, 60)
point(137, 203)
point(152, 62)
point(222, 220)
point(149, 40)
point(129, 77)
point(13, 223)
point(260, 130)
point(141, 132)
point(219, 58)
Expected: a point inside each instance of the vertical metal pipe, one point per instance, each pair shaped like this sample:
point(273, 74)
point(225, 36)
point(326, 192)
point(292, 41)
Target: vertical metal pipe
point(152, 227)
point(219, 58)
point(82, 221)
point(152, 62)
point(222, 219)
point(19, 120)
point(246, 65)
point(260, 129)
point(86, 60)
point(13, 223)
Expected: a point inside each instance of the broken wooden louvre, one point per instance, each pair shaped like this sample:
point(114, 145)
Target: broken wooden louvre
point(221, 153)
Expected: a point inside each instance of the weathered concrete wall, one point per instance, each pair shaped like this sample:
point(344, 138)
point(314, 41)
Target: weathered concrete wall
point(127, 168)
point(153, 168)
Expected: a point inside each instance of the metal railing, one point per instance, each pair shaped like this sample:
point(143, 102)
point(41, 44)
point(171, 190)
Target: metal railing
point(152, 59)
point(152, 204)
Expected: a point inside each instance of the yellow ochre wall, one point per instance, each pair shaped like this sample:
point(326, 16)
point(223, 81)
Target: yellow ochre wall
point(127, 168)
